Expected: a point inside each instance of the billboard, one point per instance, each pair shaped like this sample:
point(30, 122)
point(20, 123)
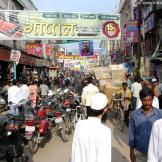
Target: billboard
point(132, 32)
point(86, 48)
point(26, 25)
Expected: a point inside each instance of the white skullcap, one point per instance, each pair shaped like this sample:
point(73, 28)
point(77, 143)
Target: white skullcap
point(98, 101)
point(154, 80)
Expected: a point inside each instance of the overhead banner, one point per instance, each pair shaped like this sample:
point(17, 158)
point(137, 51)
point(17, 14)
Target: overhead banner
point(25, 25)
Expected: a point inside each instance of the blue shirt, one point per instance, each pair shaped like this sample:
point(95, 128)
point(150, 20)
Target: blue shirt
point(140, 128)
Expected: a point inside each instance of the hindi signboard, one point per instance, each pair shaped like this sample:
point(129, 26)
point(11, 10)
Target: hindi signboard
point(38, 49)
point(26, 25)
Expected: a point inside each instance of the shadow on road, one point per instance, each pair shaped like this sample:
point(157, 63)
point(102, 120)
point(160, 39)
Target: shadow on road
point(121, 137)
point(46, 140)
point(117, 156)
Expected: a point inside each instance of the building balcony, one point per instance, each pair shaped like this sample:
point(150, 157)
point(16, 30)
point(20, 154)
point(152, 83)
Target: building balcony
point(158, 8)
point(158, 5)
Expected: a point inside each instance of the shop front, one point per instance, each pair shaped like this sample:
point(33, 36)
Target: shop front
point(4, 64)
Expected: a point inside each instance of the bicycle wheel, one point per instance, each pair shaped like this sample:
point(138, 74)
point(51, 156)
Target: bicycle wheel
point(121, 119)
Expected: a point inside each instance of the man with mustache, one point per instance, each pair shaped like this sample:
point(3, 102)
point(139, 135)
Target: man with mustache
point(140, 126)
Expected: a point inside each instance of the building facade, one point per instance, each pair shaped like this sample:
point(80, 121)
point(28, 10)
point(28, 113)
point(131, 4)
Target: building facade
point(17, 5)
point(29, 64)
point(141, 26)
point(126, 52)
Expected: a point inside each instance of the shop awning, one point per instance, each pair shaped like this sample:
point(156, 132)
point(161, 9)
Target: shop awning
point(157, 55)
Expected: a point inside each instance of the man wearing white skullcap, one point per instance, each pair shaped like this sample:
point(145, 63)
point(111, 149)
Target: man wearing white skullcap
point(92, 139)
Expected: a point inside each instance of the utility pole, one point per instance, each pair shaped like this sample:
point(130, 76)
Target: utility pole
point(9, 3)
point(15, 65)
point(9, 7)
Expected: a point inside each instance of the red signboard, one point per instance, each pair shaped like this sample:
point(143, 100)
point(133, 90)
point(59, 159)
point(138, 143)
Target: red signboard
point(38, 49)
point(34, 49)
point(111, 29)
point(48, 49)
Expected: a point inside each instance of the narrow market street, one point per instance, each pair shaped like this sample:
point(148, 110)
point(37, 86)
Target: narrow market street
point(68, 66)
point(58, 151)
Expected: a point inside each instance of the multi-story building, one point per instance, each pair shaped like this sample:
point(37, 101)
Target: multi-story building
point(152, 37)
point(17, 5)
point(146, 51)
point(28, 63)
point(125, 10)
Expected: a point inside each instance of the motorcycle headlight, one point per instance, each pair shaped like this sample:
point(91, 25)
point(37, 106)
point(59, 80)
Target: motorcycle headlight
point(49, 103)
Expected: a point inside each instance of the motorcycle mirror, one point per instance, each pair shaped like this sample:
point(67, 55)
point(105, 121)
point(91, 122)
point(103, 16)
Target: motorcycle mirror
point(66, 90)
point(9, 133)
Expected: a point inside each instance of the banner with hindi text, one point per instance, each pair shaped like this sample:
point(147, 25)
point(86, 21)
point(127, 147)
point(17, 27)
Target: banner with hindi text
point(26, 25)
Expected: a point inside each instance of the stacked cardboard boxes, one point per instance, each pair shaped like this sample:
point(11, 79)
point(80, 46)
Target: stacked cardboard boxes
point(111, 78)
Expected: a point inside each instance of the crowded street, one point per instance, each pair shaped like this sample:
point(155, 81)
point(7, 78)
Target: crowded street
point(80, 81)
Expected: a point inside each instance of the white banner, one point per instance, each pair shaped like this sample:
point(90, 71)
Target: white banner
point(68, 63)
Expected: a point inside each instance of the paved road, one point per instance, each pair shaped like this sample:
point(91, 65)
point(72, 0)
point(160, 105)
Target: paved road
point(57, 151)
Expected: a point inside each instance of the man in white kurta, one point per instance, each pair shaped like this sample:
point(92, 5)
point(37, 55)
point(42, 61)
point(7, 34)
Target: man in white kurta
point(24, 91)
point(92, 139)
point(155, 144)
point(87, 93)
point(14, 93)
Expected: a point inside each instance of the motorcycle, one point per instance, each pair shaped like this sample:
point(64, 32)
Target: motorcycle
point(12, 146)
point(37, 128)
point(56, 116)
point(60, 125)
point(31, 133)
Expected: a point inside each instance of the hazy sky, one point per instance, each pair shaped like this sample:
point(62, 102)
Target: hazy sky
point(89, 6)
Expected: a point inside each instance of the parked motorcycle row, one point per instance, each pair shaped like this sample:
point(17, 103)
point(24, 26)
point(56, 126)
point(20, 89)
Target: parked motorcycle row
point(27, 125)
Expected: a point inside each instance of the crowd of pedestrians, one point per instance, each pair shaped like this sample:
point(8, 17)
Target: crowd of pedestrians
point(141, 101)
point(33, 90)
point(146, 115)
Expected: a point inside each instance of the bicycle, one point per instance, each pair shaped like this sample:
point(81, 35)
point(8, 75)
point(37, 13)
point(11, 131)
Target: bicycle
point(78, 115)
point(119, 113)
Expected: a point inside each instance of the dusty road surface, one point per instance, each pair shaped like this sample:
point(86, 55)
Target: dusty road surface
point(57, 151)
